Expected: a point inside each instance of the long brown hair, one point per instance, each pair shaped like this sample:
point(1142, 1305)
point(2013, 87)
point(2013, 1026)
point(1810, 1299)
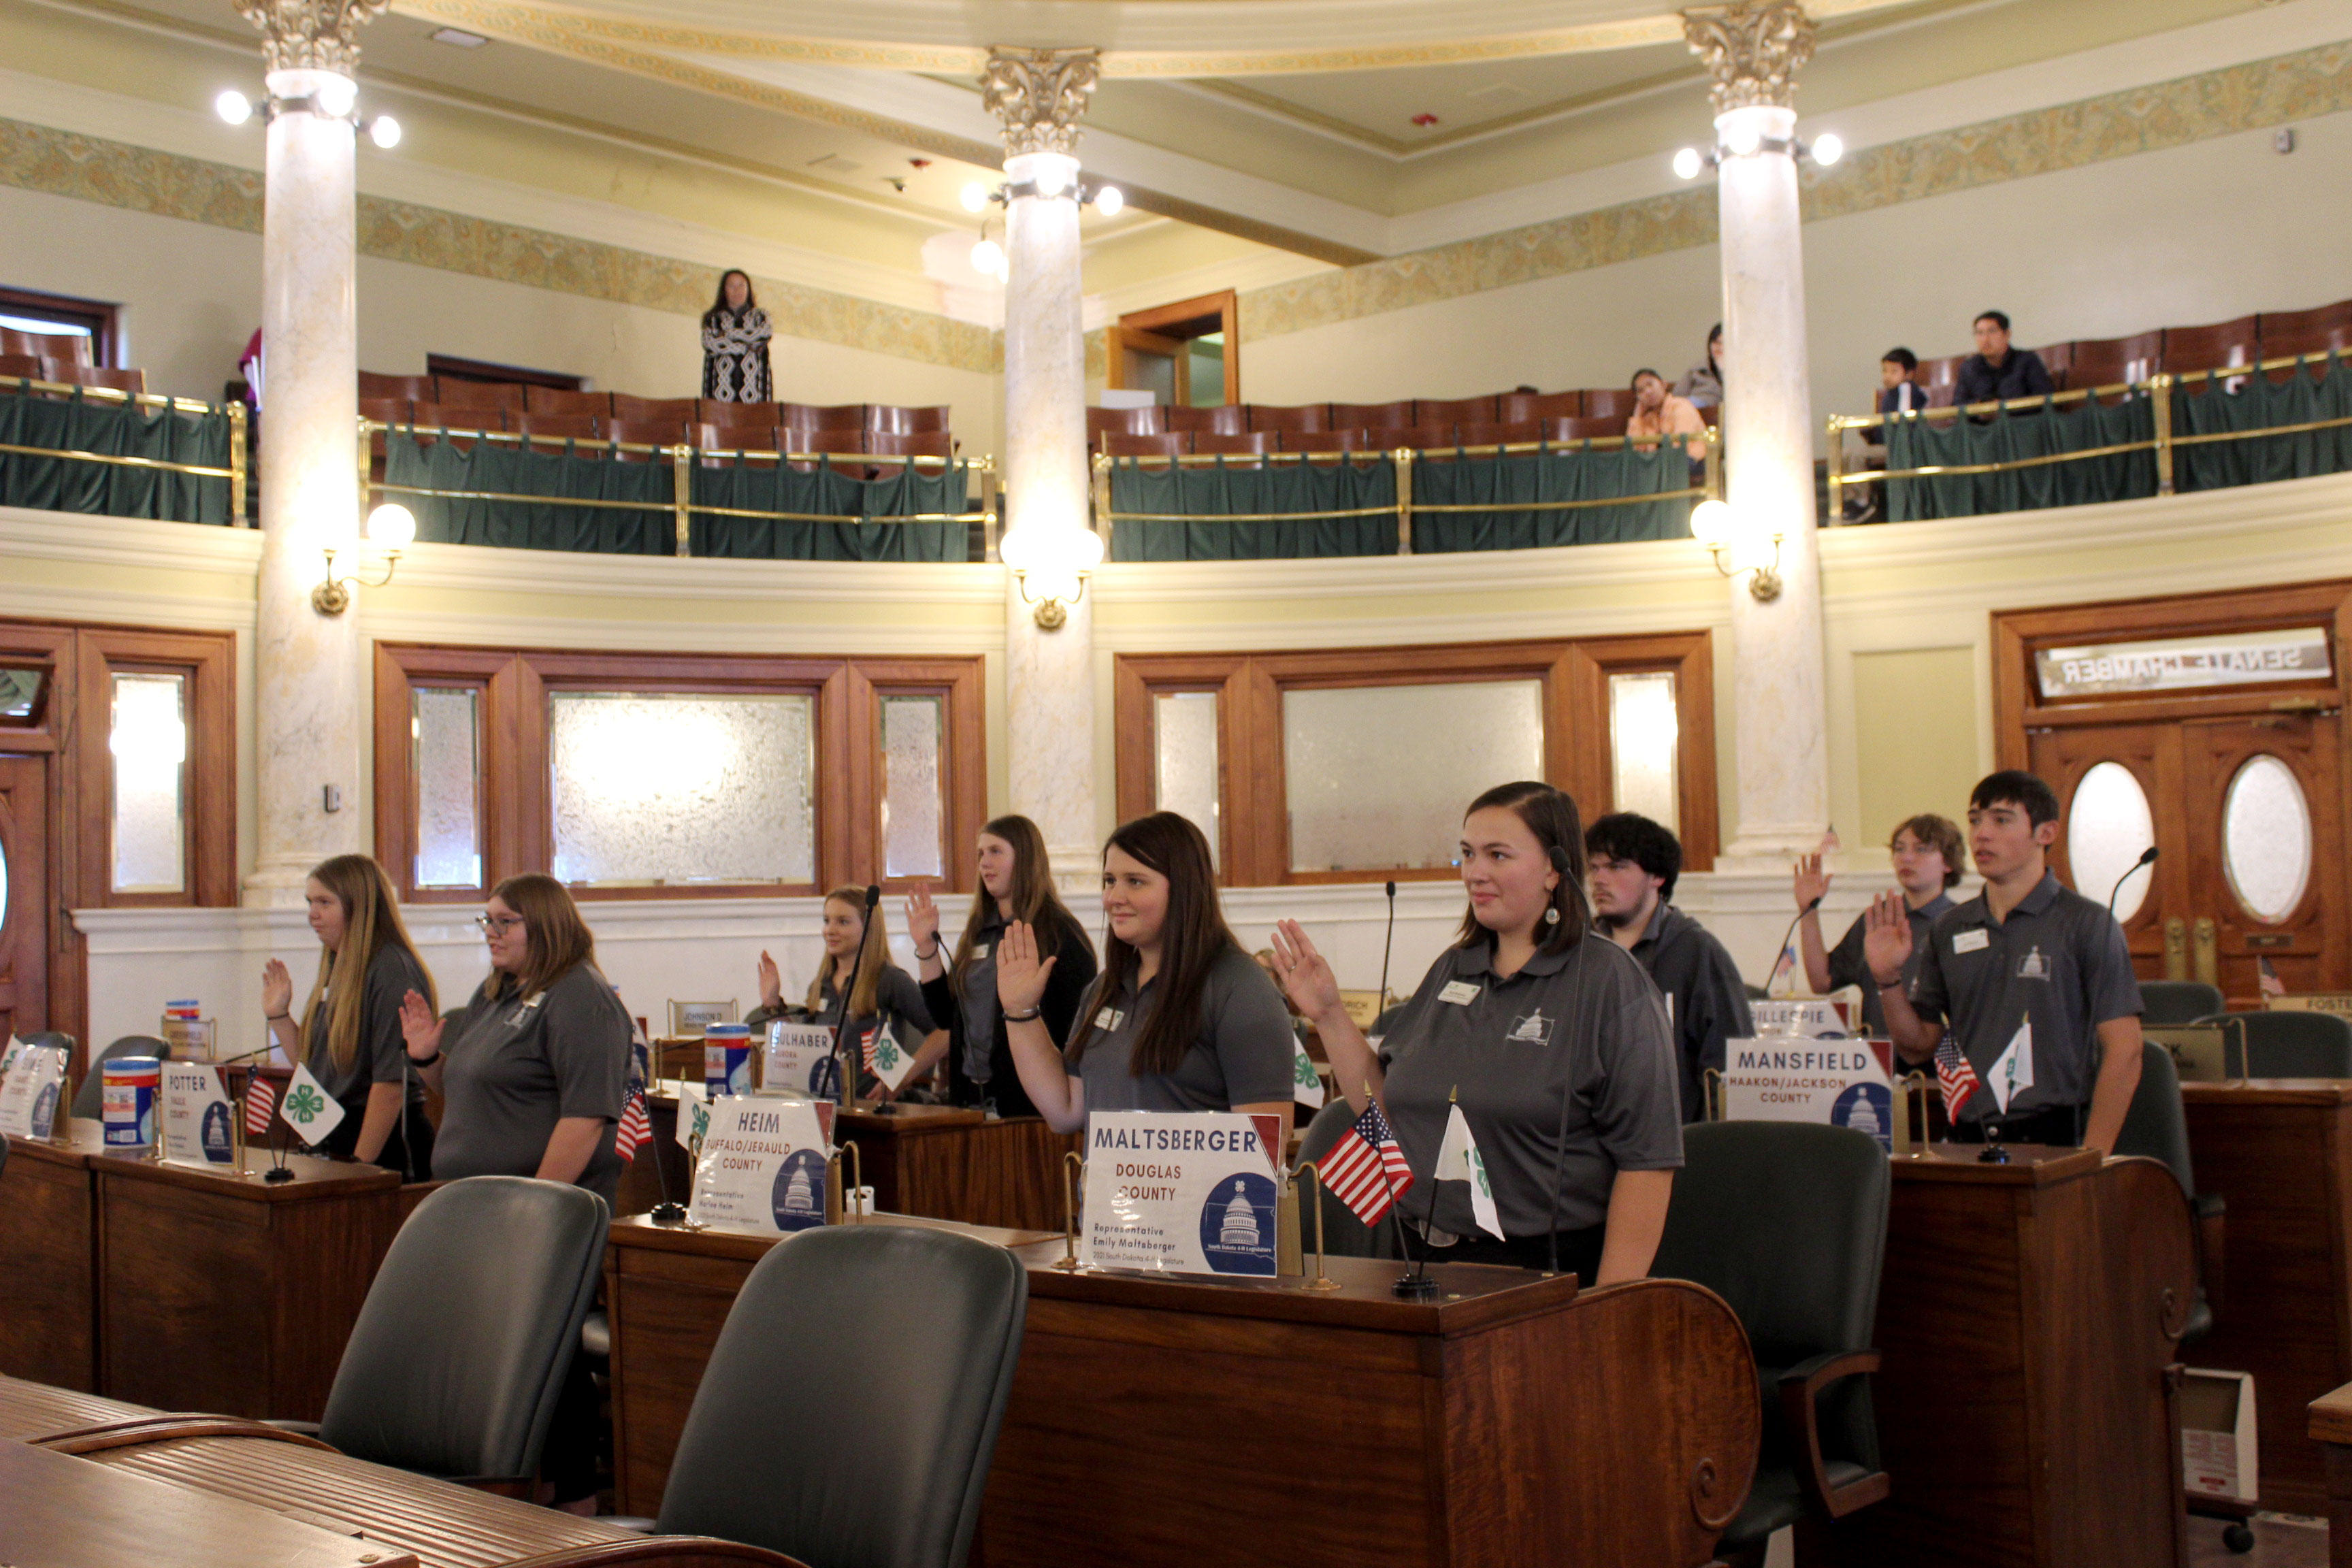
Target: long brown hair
point(1034, 901)
point(874, 952)
point(371, 923)
point(720, 309)
point(1192, 936)
point(558, 939)
point(1552, 816)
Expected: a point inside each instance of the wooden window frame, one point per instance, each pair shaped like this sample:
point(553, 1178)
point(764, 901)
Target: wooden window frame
point(1151, 329)
point(517, 826)
point(101, 317)
point(1252, 815)
point(209, 814)
point(458, 369)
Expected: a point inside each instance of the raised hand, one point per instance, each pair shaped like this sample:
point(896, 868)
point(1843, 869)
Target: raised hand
point(1812, 883)
point(1886, 938)
point(277, 990)
point(772, 985)
point(1305, 976)
point(922, 919)
point(420, 1027)
point(1020, 977)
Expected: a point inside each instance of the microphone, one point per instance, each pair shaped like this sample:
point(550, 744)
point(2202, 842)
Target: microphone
point(849, 1070)
point(1386, 944)
point(2146, 858)
point(1782, 952)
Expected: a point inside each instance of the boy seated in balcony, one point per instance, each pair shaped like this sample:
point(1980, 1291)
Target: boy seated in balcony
point(1899, 392)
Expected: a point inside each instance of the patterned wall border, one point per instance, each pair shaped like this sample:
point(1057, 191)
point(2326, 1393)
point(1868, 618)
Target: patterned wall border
point(141, 179)
point(2262, 93)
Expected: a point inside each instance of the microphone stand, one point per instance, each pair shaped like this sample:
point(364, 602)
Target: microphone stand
point(1387, 942)
point(1782, 951)
point(2146, 858)
point(850, 1070)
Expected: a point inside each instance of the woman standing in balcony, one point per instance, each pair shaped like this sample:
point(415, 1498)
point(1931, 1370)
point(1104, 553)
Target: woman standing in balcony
point(735, 333)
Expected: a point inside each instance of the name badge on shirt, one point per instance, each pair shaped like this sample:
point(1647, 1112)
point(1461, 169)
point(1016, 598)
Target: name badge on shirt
point(1460, 993)
point(1111, 1018)
point(521, 1015)
point(979, 950)
point(1971, 941)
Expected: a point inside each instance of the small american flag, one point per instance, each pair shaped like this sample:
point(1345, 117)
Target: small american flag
point(261, 1106)
point(1959, 1078)
point(1365, 1169)
point(635, 1128)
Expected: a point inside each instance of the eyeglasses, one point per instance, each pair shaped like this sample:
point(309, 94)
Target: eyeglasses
point(496, 925)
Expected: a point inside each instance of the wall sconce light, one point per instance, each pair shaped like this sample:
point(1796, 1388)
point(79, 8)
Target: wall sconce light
point(1743, 141)
point(1737, 548)
point(1052, 566)
point(337, 99)
point(393, 528)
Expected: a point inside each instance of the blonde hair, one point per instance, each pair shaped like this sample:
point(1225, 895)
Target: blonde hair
point(874, 952)
point(557, 940)
point(371, 922)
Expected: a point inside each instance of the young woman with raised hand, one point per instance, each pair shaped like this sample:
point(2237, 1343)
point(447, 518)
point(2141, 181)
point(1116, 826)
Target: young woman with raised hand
point(1549, 1034)
point(1181, 1018)
point(1016, 883)
point(347, 1032)
point(884, 994)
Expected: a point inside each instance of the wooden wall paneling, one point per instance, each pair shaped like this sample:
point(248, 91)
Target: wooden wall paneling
point(525, 840)
point(55, 646)
point(859, 829)
point(48, 1233)
point(27, 911)
point(834, 866)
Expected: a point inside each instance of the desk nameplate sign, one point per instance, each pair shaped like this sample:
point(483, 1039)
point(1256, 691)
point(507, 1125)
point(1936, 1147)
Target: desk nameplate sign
point(797, 1058)
point(2184, 664)
point(1842, 1083)
point(197, 1118)
point(2337, 1002)
point(762, 1170)
point(1816, 1017)
point(1179, 1192)
point(30, 1090)
point(191, 1040)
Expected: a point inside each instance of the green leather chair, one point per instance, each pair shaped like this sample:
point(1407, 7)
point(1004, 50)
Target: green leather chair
point(2157, 1126)
point(1787, 1222)
point(849, 1412)
point(2166, 1002)
point(2292, 1043)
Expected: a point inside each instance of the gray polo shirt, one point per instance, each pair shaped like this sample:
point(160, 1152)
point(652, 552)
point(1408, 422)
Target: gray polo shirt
point(382, 1055)
point(1706, 1004)
point(519, 1066)
point(2059, 959)
point(1848, 966)
point(1241, 1055)
point(1564, 1071)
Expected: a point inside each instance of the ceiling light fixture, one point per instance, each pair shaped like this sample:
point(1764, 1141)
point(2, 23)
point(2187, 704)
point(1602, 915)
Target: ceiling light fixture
point(1743, 139)
point(234, 106)
point(335, 98)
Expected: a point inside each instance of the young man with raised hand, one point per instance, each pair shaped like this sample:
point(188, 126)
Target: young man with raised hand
point(2028, 978)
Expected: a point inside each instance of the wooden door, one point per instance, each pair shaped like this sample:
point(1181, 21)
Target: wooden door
point(1147, 362)
point(24, 894)
point(2151, 754)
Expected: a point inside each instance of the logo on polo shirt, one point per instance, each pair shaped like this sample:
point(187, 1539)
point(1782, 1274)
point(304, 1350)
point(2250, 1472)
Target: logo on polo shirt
point(2033, 966)
point(1535, 1029)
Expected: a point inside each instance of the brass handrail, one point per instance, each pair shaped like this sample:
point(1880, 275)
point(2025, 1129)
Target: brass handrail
point(234, 473)
point(981, 463)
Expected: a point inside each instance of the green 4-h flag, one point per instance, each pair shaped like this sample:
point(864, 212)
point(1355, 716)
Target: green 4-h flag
point(885, 1058)
point(309, 1109)
point(1305, 1083)
point(1458, 1160)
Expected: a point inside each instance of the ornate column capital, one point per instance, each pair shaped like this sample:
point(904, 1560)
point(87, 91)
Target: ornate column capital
point(1039, 94)
point(310, 35)
point(1752, 48)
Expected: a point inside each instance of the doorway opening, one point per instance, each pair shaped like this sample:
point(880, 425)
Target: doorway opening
point(1187, 354)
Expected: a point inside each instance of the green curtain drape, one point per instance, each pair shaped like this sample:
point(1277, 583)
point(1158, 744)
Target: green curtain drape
point(2308, 394)
point(1577, 473)
point(826, 491)
point(2008, 435)
point(1213, 492)
point(119, 430)
point(491, 468)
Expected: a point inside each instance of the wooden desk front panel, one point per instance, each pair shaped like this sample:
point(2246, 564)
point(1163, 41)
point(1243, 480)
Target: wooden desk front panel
point(2285, 1171)
point(223, 1301)
point(49, 1235)
point(666, 1308)
point(1006, 1174)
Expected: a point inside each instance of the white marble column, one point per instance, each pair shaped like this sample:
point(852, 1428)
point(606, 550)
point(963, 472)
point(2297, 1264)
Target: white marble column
point(1778, 716)
point(1049, 673)
point(310, 694)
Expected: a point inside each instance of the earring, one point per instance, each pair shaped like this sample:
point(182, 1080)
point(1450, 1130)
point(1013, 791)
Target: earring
point(1551, 916)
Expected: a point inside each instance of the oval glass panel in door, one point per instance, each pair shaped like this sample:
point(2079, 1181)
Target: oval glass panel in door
point(2266, 838)
point(2108, 828)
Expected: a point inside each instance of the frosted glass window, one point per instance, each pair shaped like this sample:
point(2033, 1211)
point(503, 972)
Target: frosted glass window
point(445, 743)
point(653, 790)
point(2266, 838)
point(1377, 776)
point(2108, 827)
point(914, 804)
point(1184, 760)
point(1645, 739)
point(149, 739)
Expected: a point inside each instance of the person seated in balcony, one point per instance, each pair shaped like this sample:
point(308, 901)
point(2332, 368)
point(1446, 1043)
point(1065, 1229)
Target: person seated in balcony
point(1702, 384)
point(1899, 392)
point(1658, 411)
point(1998, 370)
point(735, 333)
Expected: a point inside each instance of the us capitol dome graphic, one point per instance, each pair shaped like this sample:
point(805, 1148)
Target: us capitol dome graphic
point(1240, 1228)
point(1864, 1117)
point(797, 1198)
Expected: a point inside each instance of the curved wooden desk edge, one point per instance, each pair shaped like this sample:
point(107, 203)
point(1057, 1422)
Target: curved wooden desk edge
point(2160, 1235)
point(1730, 1436)
point(669, 1551)
point(2331, 1416)
point(166, 1428)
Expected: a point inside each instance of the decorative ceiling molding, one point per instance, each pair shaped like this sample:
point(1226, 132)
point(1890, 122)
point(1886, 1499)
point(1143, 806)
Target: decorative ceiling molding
point(1752, 49)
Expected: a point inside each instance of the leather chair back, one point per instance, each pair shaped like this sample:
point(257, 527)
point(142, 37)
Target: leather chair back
point(89, 1098)
point(850, 1409)
point(455, 1363)
point(2179, 1001)
point(2289, 1044)
point(2157, 1125)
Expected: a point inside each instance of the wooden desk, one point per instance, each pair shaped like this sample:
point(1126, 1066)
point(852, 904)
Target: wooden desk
point(2279, 1151)
point(57, 1511)
point(39, 1409)
point(49, 1235)
point(2027, 1314)
point(2330, 1429)
point(1179, 1422)
point(235, 1295)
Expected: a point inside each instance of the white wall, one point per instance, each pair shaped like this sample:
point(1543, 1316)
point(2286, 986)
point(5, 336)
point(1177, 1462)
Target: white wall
point(2202, 233)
